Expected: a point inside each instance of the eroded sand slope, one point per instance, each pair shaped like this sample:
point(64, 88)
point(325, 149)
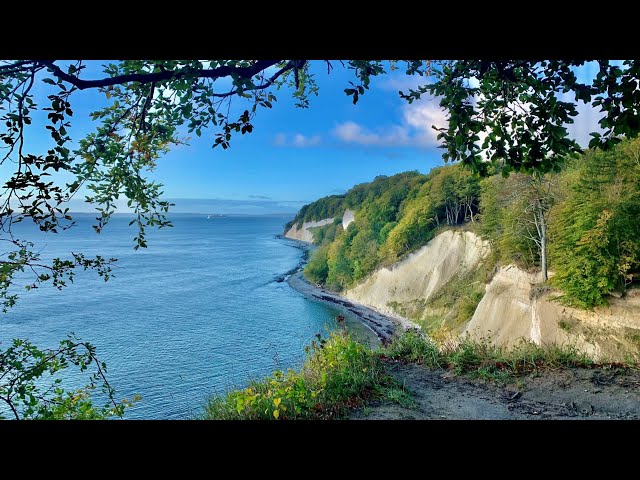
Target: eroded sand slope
point(422, 273)
point(511, 310)
point(514, 307)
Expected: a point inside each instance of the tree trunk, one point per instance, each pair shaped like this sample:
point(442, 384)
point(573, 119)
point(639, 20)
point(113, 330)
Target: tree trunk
point(543, 244)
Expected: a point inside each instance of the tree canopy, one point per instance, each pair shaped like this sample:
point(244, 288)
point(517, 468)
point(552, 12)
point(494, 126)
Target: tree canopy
point(587, 215)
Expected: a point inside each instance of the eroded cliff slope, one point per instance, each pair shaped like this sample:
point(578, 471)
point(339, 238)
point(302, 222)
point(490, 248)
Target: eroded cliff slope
point(513, 306)
point(421, 274)
point(303, 233)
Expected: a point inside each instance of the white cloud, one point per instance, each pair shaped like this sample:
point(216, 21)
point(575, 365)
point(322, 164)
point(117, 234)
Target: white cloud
point(400, 82)
point(297, 140)
point(351, 132)
point(422, 116)
point(301, 141)
point(415, 129)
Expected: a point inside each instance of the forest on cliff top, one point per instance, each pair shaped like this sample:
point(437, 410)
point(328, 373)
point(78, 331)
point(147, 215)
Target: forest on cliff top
point(581, 223)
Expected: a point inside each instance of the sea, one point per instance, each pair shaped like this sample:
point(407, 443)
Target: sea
point(197, 313)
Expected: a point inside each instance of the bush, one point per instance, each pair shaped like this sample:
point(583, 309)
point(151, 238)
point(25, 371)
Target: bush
point(317, 269)
point(413, 346)
point(338, 373)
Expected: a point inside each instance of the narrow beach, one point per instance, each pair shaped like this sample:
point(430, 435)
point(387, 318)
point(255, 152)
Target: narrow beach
point(379, 325)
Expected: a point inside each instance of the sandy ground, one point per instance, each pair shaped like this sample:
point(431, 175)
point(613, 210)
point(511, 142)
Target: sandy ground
point(563, 394)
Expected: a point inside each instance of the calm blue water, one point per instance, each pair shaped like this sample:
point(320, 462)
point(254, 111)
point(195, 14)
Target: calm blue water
point(194, 314)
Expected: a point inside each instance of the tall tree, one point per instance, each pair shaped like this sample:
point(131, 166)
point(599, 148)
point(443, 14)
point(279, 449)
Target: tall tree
point(537, 195)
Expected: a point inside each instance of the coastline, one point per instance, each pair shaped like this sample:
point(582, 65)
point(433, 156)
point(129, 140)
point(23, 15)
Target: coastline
point(380, 325)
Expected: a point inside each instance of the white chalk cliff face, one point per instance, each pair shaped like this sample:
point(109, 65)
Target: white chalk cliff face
point(422, 273)
point(303, 234)
point(347, 218)
point(510, 310)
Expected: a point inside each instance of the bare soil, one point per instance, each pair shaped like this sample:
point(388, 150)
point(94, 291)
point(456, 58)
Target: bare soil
point(560, 394)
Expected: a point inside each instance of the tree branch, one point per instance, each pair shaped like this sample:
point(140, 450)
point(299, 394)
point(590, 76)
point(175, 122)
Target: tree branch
point(144, 78)
point(269, 82)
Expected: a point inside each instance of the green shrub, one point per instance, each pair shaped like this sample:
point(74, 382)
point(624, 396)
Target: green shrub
point(596, 250)
point(413, 346)
point(317, 269)
point(338, 373)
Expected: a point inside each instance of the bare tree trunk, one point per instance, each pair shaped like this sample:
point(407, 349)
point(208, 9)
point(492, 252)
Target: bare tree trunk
point(469, 203)
point(456, 213)
point(543, 246)
point(541, 227)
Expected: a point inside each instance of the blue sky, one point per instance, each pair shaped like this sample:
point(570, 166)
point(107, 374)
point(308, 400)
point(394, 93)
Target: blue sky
point(295, 155)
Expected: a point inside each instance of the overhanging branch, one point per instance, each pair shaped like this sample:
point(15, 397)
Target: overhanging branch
point(144, 78)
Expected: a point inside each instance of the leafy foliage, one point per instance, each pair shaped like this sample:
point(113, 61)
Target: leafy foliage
point(31, 384)
point(522, 107)
point(338, 373)
point(597, 248)
point(395, 215)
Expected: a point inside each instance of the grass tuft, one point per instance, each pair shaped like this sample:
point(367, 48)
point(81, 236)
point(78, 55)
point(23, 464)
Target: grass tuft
point(482, 359)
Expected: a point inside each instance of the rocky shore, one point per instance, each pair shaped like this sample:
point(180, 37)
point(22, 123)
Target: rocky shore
point(381, 325)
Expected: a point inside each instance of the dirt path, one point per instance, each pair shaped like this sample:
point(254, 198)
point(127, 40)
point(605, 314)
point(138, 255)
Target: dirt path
point(565, 394)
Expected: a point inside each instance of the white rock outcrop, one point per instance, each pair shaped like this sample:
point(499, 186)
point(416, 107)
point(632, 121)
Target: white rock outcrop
point(347, 218)
point(422, 273)
point(303, 234)
point(509, 311)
